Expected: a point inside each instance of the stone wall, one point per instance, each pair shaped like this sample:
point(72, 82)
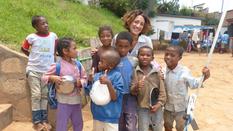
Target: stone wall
point(13, 84)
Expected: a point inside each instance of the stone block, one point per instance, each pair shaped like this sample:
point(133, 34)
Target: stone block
point(6, 113)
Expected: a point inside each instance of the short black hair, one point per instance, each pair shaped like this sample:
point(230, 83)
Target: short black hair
point(146, 47)
point(35, 20)
point(103, 28)
point(112, 57)
point(63, 43)
point(178, 49)
point(124, 35)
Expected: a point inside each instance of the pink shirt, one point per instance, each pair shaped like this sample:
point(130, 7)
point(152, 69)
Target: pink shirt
point(72, 70)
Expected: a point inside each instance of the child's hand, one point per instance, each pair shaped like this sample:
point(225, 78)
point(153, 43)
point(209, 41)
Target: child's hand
point(91, 75)
point(78, 83)
point(141, 83)
point(56, 79)
point(93, 51)
point(155, 107)
point(104, 79)
point(206, 73)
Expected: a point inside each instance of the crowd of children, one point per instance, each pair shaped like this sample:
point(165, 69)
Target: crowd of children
point(129, 80)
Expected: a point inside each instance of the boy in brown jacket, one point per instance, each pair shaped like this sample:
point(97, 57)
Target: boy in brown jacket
point(146, 77)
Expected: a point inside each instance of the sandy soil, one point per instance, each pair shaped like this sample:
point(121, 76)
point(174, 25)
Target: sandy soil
point(213, 111)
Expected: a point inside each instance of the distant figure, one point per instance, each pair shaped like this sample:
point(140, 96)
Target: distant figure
point(224, 42)
point(190, 44)
point(40, 47)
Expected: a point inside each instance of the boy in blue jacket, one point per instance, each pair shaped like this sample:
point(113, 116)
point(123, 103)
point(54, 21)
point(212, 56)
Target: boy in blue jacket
point(106, 117)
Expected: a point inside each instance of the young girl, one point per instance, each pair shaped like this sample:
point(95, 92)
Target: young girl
point(69, 105)
point(105, 35)
point(147, 77)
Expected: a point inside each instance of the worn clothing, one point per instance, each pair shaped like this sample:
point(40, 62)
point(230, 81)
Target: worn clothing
point(152, 80)
point(109, 113)
point(177, 82)
point(146, 117)
point(126, 68)
point(42, 51)
point(66, 111)
point(128, 121)
point(104, 126)
point(72, 70)
point(142, 41)
point(178, 117)
point(38, 96)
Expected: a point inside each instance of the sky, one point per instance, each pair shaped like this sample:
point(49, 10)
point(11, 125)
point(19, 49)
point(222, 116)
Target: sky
point(214, 5)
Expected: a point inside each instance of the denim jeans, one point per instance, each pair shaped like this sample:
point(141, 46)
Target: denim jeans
point(145, 117)
point(39, 116)
point(39, 92)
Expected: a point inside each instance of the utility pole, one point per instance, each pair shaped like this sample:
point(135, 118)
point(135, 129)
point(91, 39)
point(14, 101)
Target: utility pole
point(222, 6)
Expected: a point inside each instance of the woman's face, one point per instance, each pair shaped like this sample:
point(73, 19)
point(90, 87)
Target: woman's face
point(137, 25)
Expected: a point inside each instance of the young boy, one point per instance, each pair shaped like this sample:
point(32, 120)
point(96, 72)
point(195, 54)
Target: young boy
point(42, 49)
point(146, 78)
point(106, 117)
point(128, 119)
point(177, 80)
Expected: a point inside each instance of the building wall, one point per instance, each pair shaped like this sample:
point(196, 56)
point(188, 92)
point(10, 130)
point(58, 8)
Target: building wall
point(178, 21)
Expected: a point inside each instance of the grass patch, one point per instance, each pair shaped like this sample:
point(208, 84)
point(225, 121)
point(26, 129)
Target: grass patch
point(65, 19)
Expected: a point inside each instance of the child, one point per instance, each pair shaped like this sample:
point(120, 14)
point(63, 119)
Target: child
point(177, 81)
point(128, 119)
point(105, 35)
point(41, 56)
point(147, 77)
point(106, 117)
point(69, 105)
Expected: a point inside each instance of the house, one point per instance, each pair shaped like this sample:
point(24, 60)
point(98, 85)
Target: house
point(89, 2)
point(167, 23)
point(228, 23)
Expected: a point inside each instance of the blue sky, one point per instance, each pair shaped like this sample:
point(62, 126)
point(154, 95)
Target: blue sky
point(214, 5)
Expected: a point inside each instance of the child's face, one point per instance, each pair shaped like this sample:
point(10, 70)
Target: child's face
point(123, 47)
point(171, 58)
point(42, 26)
point(106, 38)
point(145, 56)
point(103, 64)
point(72, 52)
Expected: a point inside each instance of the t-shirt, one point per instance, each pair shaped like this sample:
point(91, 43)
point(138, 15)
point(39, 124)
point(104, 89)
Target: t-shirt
point(42, 51)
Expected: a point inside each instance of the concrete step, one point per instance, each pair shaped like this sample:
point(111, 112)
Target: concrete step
point(6, 115)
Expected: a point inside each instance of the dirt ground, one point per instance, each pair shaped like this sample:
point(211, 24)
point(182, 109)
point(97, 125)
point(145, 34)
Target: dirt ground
point(213, 110)
point(214, 107)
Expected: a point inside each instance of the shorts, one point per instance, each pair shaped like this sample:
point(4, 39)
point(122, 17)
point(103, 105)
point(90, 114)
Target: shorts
point(170, 117)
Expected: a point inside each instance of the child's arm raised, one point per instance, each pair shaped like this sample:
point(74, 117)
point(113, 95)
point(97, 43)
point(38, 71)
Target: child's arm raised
point(104, 80)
